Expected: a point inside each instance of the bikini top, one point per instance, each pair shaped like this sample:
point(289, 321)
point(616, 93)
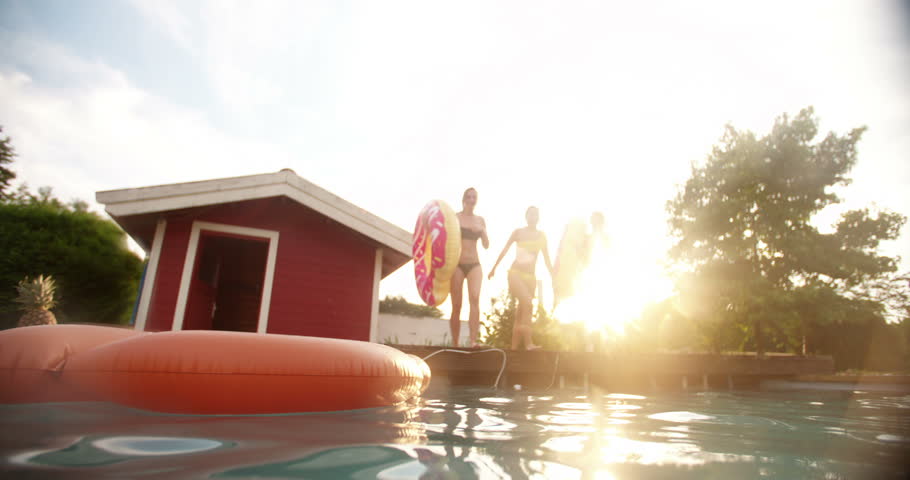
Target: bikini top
point(533, 245)
point(528, 250)
point(468, 234)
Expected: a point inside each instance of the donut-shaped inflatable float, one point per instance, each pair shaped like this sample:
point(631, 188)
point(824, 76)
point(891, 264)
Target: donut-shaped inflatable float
point(436, 249)
point(212, 372)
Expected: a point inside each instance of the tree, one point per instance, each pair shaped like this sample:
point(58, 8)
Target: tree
point(6, 157)
point(761, 272)
point(97, 274)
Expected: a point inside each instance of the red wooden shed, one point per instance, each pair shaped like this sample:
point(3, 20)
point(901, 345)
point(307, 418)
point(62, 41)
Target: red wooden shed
point(262, 253)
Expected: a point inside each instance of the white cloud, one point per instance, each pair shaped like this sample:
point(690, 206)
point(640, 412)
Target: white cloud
point(573, 107)
point(256, 55)
point(173, 19)
point(108, 134)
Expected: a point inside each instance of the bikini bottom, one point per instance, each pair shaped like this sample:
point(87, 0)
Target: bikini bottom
point(526, 278)
point(467, 267)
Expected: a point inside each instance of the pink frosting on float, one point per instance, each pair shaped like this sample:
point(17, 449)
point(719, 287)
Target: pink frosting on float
point(429, 234)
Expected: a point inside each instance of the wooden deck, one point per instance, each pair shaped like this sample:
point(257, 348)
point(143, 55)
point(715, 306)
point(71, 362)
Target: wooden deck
point(540, 369)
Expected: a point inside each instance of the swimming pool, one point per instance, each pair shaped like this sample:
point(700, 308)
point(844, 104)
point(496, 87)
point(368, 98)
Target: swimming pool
point(480, 433)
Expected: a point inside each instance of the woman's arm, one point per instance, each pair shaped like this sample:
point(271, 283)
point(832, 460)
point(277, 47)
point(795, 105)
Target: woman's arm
point(484, 240)
point(546, 254)
point(503, 254)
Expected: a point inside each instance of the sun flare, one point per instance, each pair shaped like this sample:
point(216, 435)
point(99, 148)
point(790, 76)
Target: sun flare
point(612, 291)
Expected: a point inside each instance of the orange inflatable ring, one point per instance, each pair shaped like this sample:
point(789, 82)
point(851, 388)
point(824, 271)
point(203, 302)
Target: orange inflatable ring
point(436, 249)
point(32, 359)
point(209, 372)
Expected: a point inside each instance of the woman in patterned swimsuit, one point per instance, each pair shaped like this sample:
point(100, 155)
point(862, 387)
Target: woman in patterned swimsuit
point(529, 242)
point(473, 228)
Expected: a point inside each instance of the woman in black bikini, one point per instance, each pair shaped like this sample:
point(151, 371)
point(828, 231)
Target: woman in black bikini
point(473, 228)
point(529, 241)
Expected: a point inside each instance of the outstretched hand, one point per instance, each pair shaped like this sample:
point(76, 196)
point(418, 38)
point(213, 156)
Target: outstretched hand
point(490, 276)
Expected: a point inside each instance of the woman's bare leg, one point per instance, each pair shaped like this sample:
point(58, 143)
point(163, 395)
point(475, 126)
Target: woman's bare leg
point(517, 285)
point(518, 327)
point(455, 320)
point(475, 278)
point(529, 343)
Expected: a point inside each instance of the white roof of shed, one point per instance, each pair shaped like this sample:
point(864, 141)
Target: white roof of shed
point(162, 198)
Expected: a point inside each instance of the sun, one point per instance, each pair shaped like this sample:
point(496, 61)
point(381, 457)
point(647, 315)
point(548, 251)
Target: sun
point(612, 291)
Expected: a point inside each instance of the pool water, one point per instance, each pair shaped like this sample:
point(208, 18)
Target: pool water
point(480, 433)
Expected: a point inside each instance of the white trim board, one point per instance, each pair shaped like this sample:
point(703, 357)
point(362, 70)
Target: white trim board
point(151, 272)
point(374, 307)
point(190, 261)
point(145, 200)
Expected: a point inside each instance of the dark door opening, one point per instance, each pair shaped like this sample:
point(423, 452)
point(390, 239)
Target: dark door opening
point(227, 289)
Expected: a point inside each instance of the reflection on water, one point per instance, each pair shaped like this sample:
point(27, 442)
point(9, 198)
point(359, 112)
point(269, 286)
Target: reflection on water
point(479, 433)
point(92, 451)
point(142, 446)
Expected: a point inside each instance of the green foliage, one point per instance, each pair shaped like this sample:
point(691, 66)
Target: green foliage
point(399, 306)
point(498, 322)
point(7, 154)
point(97, 275)
point(867, 344)
point(546, 331)
point(760, 274)
point(661, 327)
point(549, 333)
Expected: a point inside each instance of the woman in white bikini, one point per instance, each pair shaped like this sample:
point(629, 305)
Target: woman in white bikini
point(522, 283)
point(473, 228)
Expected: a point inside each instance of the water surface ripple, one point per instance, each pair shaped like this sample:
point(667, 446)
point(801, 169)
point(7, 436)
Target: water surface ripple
point(479, 433)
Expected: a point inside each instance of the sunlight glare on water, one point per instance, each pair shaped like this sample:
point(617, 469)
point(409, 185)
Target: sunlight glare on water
point(464, 433)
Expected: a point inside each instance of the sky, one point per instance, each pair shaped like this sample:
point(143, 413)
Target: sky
point(569, 106)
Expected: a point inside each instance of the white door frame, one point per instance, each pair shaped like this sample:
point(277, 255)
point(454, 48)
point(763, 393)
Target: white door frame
point(151, 274)
point(374, 307)
point(190, 262)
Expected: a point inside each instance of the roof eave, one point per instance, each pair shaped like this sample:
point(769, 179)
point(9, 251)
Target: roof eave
point(163, 198)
